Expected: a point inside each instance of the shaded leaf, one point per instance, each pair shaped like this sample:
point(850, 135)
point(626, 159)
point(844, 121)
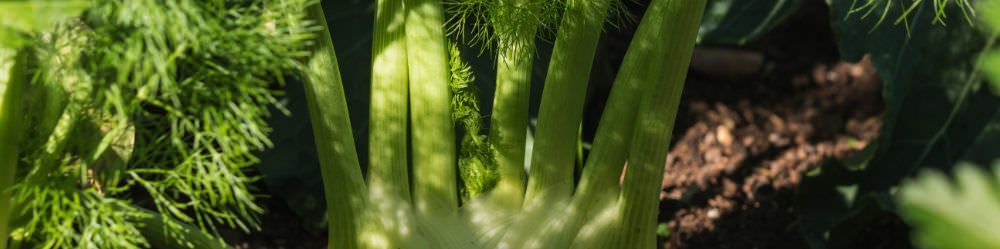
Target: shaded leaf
point(742, 21)
point(937, 111)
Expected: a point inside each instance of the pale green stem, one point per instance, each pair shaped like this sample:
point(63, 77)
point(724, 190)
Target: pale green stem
point(642, 64)
point(388, 170)
point(12, 90)
point(161, 232)
point(433, 139)
point(342, 180)
point(561, 111)
point(510, 117)
point(678, 22)
point(390, 89)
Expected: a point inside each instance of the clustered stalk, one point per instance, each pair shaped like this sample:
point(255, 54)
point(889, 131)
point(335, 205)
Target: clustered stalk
point(677, 23)
point(509, 124)
point(561, 111)
point(433, 139)
point(551, 211)
point(341, 171)
point(12, 88)
point(388, 167)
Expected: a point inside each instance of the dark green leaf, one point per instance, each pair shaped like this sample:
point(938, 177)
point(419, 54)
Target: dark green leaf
point(937, 111)
point(742, 21)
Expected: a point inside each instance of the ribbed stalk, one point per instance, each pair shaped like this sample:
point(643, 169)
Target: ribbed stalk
point(342, 180)
point(561, 111)
point(677, 21)
point(642, 65)
point(508, 128)
point(161, 232)
point(390, 89)
point(433, 139)
point(12, 90)
point(388, 170)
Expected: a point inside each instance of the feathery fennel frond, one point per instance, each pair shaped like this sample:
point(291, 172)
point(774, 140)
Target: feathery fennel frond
point(186, 84)
point(198, 77)
point(498, 24)
point(884, 9)
point(476, 164)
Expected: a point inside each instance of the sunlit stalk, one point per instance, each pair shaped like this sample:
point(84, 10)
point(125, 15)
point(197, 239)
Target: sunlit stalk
point(12, 89)
point(510, 116)
point(561, 110)
point(433, 139)
point(389, 111)
point(343, 184)
point(678, 22)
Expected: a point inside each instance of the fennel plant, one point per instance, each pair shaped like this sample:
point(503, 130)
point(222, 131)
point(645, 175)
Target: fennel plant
point(138, 105)
point(412, 200)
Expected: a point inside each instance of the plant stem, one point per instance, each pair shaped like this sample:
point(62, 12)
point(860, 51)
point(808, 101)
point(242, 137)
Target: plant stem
point(677, 22)
point(508, 128)
point(161, 232)
point(390, 89)
point(434, 163)
point(388, 169)
point(561, 110)
point(342, 180)
point(12, 88)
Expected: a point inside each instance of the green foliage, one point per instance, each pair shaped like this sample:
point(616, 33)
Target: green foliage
point(902, 11)
point(183, 85)
point(963, 213)
point(476, 165)
point(936, 114)
point(499, 24)
point(742, 21)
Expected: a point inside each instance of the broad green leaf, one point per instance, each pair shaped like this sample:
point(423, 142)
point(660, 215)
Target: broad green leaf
point(958, 213)
point(937, 110)
point(991, 64)
point(742, 21)
point(984, 150)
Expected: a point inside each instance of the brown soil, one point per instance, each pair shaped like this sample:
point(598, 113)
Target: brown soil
point(742, 145)
point(731, 174)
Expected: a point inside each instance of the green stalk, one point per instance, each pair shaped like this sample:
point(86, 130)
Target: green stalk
point(162, 232)
point(12, 88)
point(388, 138)
point(561, 110)
point(678, 22)
point(600, 178)
point(342, 180)
point(434, 163)
point(388, 169)
point(508, 128)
